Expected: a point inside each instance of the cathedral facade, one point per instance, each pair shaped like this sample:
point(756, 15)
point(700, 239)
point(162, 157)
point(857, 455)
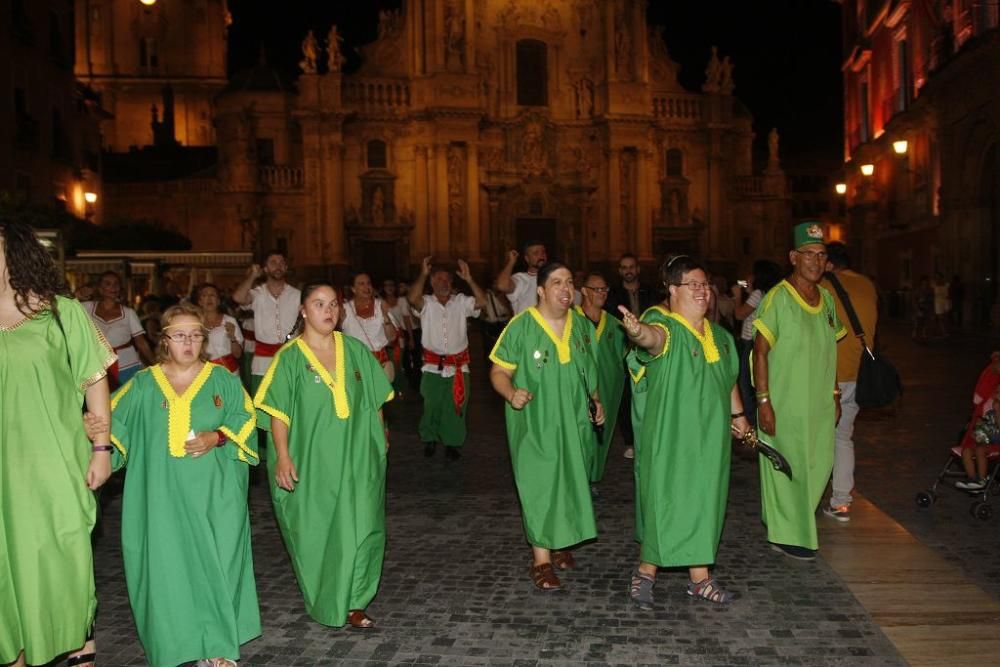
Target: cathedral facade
point(471, 127)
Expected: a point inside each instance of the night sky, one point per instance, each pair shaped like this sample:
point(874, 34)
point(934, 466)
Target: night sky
point(786, 53)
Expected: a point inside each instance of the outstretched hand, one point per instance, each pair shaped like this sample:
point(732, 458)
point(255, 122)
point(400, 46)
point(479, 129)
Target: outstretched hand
point(630, 322)
point(512, 256)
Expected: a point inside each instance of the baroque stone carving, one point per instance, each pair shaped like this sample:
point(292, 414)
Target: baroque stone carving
point(533, 158)
point(334, 57)
point(712, 72)
point(583, 91)
point(454, 37)
point(623, 42)
point(378, 207)
point(310, 50)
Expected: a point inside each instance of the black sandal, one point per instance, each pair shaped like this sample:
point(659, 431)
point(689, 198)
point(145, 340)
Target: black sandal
point(641, 590)
point(83, 658)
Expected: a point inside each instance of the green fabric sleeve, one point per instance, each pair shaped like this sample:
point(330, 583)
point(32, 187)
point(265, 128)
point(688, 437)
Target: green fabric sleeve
point(89, 353)
point(276, 394)
point(505, 352)
point(124, 405)
point(239, 422)
point(766, 322)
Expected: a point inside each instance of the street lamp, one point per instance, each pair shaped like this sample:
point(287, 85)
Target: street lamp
point(90, 197)
point(148, 3)
point(867, 169)
point(841, 188)
point(900, 146)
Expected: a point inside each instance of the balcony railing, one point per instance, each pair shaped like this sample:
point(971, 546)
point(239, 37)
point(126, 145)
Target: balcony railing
point(377, 95)
point(281, 177)
point(685, 108)
point(754, 187)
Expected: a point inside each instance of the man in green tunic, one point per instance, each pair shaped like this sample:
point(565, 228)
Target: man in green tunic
point(545, 369)
point(691, 406)
point(324, 394)
point(795, 375)
point(185, 431)
point(609, 341)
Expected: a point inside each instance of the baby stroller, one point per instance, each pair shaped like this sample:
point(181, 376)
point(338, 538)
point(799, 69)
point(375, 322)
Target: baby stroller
point(953, 470)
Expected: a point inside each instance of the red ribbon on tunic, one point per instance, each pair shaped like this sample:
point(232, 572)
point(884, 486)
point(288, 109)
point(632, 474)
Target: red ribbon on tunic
point(263, 349)
point(456, 360)
point(228, 362)
point(113, 380)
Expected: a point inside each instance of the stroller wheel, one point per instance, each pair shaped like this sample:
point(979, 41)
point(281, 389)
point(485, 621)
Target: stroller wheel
point(925, 498)
point(982, 511)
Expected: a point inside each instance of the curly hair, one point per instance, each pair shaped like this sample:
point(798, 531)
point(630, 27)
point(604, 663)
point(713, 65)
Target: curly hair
point(33, 276)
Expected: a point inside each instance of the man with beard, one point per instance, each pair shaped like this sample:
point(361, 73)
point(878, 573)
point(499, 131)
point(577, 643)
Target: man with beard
point(637, 299)
point(444, 384)
point(520, 287)
point(275, 306)
point(798, 400)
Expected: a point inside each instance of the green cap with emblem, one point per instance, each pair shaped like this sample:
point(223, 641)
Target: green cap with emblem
point(808, 233)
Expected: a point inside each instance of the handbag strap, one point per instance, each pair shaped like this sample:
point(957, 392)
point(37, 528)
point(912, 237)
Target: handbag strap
point(845, 299)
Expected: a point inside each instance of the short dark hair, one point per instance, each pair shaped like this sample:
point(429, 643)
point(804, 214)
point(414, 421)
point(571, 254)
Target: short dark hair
point(673, 269)
point(271, 253)
point(548, 270)
point(628, 255)
point(836, 254)
point(529, 243)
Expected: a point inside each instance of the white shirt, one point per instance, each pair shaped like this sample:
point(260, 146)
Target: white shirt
point(494, 311)
point(217, 344)
point(756, 296)
point(446, 328)
point(400, 312)
point(119, 331)
point(370, 331)
point(525, 292)
point(273, 319)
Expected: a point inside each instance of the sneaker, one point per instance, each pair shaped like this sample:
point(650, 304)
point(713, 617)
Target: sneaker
point(841, 513)
point(793, 551)
point(971, 485)
point(452, 453)
point(630, 452)
point(429, 448)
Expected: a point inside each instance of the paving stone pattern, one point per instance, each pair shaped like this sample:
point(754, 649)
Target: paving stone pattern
point(455, 587)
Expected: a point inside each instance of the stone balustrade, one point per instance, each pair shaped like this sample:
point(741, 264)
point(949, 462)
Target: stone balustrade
point(377, 95)
point(282, 177)
point(678, 107)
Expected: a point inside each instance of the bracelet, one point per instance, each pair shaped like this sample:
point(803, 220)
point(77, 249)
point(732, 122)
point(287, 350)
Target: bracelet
point(221, 438)
point(837, 392)
point(101, 448)
point(761, 400)
point(737, 415)
point(763, 394)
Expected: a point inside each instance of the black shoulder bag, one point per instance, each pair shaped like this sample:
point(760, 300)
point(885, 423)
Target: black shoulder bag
point(878, 382)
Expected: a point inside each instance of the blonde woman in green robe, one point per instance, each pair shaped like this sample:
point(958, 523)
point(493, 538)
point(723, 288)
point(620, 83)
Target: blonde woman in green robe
point(544, 367)
point(692, 405)
point(184, 427)
point(322, 401)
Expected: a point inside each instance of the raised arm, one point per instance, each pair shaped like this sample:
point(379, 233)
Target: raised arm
point(416, 294)
point(504, 282)
point(642, 335)
point(241, 294)
point(465, 274)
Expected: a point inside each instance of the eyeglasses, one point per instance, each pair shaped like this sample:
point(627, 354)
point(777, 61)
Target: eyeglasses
point(695, 286)
point(186, 338)
point(599, 290)
point(812, 255)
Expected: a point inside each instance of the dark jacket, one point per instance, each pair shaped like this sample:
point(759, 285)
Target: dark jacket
point(618, 296)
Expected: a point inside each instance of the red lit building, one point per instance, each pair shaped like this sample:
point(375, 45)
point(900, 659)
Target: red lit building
point(922, 118)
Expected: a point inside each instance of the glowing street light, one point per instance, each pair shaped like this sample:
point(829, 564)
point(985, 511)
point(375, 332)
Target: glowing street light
point(148, 3)
point(867, 169)
point(90, 197)
point(841, 188)
point(900, 146)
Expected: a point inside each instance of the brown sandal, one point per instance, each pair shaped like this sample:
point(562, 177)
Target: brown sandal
point(564, 560)
point(360, 620)
point(544, 577)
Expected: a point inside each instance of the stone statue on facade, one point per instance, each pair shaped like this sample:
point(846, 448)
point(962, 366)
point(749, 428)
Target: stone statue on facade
point(310, 50)
point(550, 17)
point(772, 148)
point(726, 84)
point(378, 207)
point(712, 72)
point(454, 38)
point(623, 46)
point(584, 89)
point(334, 56)
point(533, 152)
point(454, 170)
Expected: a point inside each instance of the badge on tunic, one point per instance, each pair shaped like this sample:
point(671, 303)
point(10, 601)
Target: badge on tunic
point(164, 404)
point(357, 375)
point(694, 352)
point(217, 400)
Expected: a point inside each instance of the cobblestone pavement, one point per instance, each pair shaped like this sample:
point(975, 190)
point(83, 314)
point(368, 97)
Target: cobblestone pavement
point(455, 589)
point(901, 453)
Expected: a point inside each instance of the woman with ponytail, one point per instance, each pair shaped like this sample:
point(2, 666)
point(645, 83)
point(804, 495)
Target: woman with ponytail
point(322, 401)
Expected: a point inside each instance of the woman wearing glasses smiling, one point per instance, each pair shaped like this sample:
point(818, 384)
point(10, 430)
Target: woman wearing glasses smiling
point(182, 427)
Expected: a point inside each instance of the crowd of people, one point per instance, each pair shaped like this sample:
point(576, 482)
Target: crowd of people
point(298, 378)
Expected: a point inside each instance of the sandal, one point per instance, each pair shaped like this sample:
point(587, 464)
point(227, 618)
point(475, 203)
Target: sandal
point(217, 662)
point(544, 577)
point(563, 560)
point(83, 658)
point(707, 589)
point(641, 590)
point(360, 620)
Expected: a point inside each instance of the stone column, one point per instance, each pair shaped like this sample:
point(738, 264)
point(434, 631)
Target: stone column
point(422, 232)
point(614, 203)
point(470, 37)
point(475, 248)
point(336, 244)
point(643, 238)
point(440, 209)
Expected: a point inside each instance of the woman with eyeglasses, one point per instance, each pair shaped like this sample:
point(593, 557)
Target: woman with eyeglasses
point(52, 358)
point(545, 369)
point(610, 347)
point(185, 428)
point(692, 406)
point(323, 398)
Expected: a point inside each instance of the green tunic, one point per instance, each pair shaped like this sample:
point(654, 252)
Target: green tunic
point(685, 436)
point(334, 522)
point(552, 442)
point(802, 370)
point(610, 344)
point(47, 599)
point(640, 387)
point(185, 523)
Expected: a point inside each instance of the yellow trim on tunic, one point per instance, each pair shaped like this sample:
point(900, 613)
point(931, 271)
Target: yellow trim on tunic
point(493, 353)
point(764, 331)
point(636, 377)
point(562, 345)
point(707, 339)
point(265, 384)
point(240, 439)
point(115, 399)
point(815, 310)
point(841, 333)
point(336, 385)
point(179, 406)
point(601, 325)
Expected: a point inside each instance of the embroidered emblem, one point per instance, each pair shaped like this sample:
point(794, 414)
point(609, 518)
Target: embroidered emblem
point(217, 400)
point(694, 352)
point(815, 232)
point(357, 375)
point(164, 404)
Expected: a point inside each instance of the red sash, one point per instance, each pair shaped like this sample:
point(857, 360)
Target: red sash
point(248, 334)
point(456, 360)
point(263, 349)
point(381, 355)
point(113, 380)
point(228, 362)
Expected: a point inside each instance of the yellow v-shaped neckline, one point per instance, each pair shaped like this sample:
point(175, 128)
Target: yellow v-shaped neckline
point(706, 339)
point(562, 345)
point(179, 406)
point(335, 384)
point(802, 302)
